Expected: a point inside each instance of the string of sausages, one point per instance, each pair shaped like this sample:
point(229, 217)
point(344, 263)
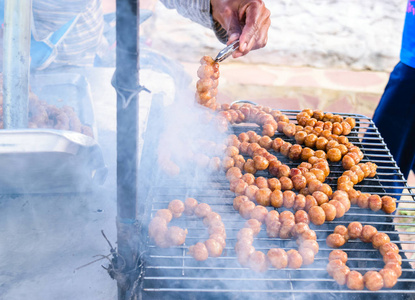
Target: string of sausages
point(269, 190)
point(167, 236)
point(372, 280)
point(206, 86)
point(315, 201)
point(284, 225)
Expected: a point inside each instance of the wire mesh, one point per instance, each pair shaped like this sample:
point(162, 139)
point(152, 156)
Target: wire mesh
point(173, 273)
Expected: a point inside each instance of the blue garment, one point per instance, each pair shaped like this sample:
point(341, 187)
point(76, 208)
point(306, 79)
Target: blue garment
point(395, 113)
point(395, 116)
point(408, 37)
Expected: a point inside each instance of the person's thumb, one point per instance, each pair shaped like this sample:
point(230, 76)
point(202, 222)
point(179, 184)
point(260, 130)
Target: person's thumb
point(234, 30)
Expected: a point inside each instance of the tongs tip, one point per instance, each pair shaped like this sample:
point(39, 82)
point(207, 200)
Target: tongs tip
point(227, 51)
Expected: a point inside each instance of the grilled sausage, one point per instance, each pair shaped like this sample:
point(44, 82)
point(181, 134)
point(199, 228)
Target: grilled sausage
point(373, 280)
point(329, 211)
point(368, 231)
point(212, 218)
point(333, 265)
point(288, 198)
point(311, 244)
point(340, 274)
point(307, 255)
point(176, 207)
point(395, 267)
point(237, 201)
point(273, 228)
point(246, 208)
point(389, 277)
point(255, 225)
point(355, 281)
point(262, 196)
point(259, 213)
point(258, 262)
point(388, 204)
point(301, 216)
point(278, 258)
point(272, 215)
point(317, 215)
point(213, 247)
point(355, 230)
point(295, 260)
point(379, 239)
point(385, 248)
point(190, 206)
point(176, 235)
point(299, 228)
point(251, 191)
point(243, 254)
point(276, 198)
point(338, 254)
point(165, 214)
point(343, 231)
point(393, 257)
point(202, 210)
point(199, 251)
point(286, 228)
point(335, 240)
point(340, 210)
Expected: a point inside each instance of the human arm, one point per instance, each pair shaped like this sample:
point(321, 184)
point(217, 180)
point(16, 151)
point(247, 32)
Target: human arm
point(196, 10)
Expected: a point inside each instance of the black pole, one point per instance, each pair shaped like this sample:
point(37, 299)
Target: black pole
point(126, 82)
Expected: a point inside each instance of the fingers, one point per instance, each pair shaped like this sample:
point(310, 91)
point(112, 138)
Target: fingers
point(259, 39)
point(234, 30)
point(237, 54)
point(255, 20)
point(257, 23)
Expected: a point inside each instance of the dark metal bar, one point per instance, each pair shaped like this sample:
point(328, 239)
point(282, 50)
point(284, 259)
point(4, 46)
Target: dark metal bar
point(126, 82)
point(305, 291)
point(16, 63)
point(242, 268)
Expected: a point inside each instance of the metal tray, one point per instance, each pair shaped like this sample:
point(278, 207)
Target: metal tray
point(48, 160)
point(70, 89)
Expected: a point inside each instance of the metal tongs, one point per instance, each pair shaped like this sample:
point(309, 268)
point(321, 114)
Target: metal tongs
point(227, 51)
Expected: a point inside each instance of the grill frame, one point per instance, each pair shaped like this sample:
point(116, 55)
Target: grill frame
point(167, 273)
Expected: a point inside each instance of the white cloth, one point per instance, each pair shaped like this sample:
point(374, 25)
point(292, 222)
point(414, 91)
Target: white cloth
point(198, 11)
point(81, 43)
point(85, 39)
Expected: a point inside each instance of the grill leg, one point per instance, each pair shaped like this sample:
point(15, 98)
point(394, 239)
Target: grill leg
point(16, 63)
point(126, 82)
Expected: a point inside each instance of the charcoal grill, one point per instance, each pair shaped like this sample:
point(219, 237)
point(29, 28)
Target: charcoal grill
point(173, 274)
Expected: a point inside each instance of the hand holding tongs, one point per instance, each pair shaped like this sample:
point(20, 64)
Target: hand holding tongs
point(227, 51)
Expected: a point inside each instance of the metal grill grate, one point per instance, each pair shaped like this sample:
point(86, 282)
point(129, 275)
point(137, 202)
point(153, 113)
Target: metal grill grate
point(172, 273)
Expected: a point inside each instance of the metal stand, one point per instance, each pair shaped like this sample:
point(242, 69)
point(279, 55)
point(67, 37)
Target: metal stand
point(16, 63)
point(126, 82)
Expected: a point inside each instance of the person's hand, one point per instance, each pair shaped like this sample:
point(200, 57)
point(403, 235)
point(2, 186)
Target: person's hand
point(248, 20)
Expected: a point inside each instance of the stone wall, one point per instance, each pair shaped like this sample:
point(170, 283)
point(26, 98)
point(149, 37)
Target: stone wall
point(321, 33)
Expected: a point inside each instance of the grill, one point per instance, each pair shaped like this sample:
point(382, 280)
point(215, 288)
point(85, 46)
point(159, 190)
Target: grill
point(172, 273)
